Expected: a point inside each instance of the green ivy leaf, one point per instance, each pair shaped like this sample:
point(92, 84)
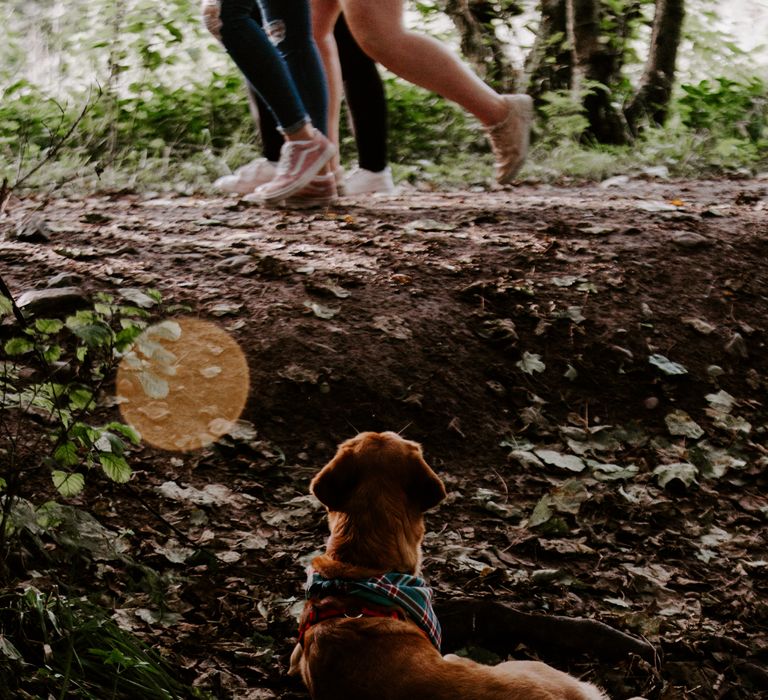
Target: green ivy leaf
point(80, 398)
point(109, 442)
point(66, 454)
point(5, 306)
point(67, 485)
point(18, 346)
point(52, 353)
point(87, 326)
point(115, 467)
point(126, 431)
point(48, 326)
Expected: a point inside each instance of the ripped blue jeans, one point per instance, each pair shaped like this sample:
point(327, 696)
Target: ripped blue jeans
point(279, 60)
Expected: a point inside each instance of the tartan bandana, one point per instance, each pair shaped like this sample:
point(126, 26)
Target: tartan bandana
point(409, 592)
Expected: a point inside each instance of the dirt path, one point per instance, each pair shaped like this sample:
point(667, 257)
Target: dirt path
point(585, 367)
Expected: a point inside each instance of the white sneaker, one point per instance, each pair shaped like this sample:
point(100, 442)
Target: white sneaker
point(248, 177)
point(362, 181)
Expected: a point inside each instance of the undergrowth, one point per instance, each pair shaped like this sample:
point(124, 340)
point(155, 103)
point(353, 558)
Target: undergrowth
point(183, 138)
point(52, 644)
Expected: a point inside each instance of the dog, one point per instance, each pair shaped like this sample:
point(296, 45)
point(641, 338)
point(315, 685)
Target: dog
point(367, 631)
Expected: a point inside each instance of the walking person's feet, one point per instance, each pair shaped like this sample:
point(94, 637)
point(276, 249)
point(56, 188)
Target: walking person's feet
point(362, 181)
point(510, 138)
point(248, 177)
point(320, 192)
point(300, 162)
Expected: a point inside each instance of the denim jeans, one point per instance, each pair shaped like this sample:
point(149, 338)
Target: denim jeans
point(279, 60)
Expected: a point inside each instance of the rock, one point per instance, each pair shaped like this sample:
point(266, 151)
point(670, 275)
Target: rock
point(32, 230)
point(615, 181)
point(689, 239)
point(651, 402)
point(52, 302)
point(235, 262)
point(699, 325)
point(64, 279)
point(660, 172)
point(736, 346)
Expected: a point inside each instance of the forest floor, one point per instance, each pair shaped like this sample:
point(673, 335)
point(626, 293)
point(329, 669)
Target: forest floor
point(585, 367)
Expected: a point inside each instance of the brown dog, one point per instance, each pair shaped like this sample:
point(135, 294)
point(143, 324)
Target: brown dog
point(368, 631)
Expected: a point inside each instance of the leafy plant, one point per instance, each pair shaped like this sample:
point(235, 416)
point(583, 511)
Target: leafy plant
point(728, 108)
point(51, 375)
point(51, 644)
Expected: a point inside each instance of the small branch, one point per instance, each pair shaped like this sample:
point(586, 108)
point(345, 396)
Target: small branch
point(54, 150)
point(7, 293)
point(501, 628)
point(5, 195)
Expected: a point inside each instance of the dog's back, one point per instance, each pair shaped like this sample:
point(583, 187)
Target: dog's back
point(376, 489)
point(374, 659)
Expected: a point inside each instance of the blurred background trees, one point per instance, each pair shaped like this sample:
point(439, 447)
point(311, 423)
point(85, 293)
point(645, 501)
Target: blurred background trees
point(668, 82)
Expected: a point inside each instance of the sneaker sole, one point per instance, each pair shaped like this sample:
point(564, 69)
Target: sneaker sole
point(306, 177)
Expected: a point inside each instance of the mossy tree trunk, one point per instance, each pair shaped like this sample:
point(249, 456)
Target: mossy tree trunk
point(549, 65)
point(594, 70)
point(653, 96)
point(476, 22)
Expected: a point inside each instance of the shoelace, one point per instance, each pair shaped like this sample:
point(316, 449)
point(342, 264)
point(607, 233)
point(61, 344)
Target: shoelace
point(284, 164)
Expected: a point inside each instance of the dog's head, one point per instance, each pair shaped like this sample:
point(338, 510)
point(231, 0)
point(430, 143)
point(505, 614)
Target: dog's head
point(376, 489)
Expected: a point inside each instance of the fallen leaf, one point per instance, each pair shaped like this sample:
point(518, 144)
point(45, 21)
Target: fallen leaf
point(320, 310)
point(393, 326)
point(557, 459)
point(680, 423)
point(667, 366)
point(531, 363)
point(683, 472)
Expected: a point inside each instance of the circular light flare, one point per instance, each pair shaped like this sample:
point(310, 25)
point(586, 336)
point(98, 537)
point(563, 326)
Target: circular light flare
point(183, 384)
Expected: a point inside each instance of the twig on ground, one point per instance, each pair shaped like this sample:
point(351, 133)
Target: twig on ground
point(500, 627)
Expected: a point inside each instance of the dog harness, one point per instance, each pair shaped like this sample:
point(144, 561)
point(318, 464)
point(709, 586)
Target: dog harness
point(409, 593)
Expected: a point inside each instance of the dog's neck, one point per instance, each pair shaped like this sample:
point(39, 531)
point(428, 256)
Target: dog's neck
point(356, 551)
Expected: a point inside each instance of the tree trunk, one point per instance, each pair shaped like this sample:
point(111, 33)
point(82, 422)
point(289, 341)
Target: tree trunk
point(594, 62)
point(479, 44)
point(653, 95)
point(548, 65)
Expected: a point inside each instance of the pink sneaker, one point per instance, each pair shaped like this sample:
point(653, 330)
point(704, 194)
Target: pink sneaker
point(320, 192)
point(299, 162)
point(510, 137)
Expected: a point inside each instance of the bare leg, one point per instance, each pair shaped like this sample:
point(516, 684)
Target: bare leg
point(379, 29)
point(324, 16)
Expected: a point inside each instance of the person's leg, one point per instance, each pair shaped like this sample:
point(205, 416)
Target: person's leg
point(324, 14)
point(379, 29)
point(260, 171)
point(271, 138)
point(263, 67)
point(306, 150)
point(289, 27)
point(366, 100)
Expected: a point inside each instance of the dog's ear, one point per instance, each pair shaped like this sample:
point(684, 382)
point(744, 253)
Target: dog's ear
point(426, 489)
point(334, 483)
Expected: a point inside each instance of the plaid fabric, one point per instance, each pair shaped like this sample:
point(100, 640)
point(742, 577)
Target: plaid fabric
point(411, 593)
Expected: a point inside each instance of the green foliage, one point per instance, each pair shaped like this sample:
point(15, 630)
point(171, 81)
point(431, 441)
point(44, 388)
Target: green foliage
point(727, 108)
point(53, 372)
point(166, 106)
point(51, 646)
